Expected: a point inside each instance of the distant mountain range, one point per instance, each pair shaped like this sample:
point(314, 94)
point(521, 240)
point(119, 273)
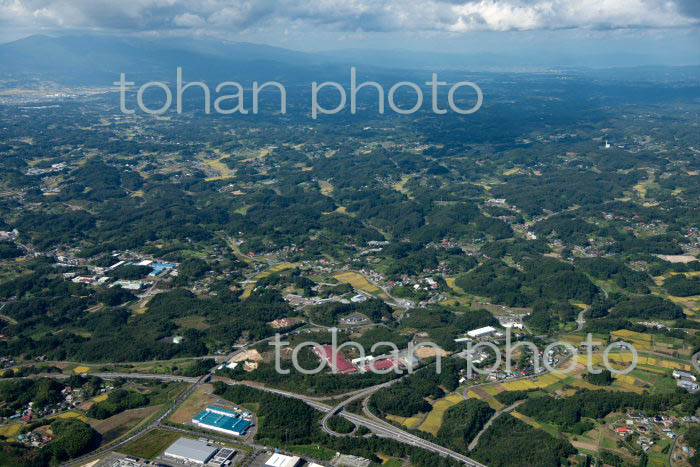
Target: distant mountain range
point(99, 59)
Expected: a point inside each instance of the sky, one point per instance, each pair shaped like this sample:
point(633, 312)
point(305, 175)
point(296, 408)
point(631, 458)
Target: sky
point(652, 27)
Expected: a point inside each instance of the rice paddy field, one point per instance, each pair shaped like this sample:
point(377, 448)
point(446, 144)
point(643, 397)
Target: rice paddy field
point(433, 421)
point(10, 431)
point(408, 422)
point(358, 281)
point(73, 414)
point(639, 340)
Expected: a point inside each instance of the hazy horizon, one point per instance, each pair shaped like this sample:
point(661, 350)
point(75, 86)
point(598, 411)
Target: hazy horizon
point(641, 32)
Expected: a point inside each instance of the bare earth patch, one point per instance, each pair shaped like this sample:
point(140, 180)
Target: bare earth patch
point(427, 352)
point(251, 355)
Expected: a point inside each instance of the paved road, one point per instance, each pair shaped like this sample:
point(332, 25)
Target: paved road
point(475, 441)
point(371, 421)
point(157, 422)
point(580, 320)
point(339, 408)
point(380, 427)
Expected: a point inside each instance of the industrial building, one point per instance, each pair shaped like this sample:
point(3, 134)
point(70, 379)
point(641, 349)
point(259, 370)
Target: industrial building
point(344, 460)
point(222, 420)
point(341, 363)
point(481, 332)
point(280, 460)
point(381, 365)
point(190, 450)
point(223, 456)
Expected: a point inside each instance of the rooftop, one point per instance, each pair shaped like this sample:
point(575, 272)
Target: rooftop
point(190, 449)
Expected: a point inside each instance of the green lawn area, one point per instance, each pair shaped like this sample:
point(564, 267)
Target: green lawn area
point(314, 451)
point(393, 462)
point(150, 445)
point(252, 406)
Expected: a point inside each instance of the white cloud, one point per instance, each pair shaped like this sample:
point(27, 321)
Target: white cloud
point(451, 16)
point(188, 20)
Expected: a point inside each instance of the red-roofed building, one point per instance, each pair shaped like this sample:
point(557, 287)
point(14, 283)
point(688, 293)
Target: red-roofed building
point(341, 363)
point(381, 365)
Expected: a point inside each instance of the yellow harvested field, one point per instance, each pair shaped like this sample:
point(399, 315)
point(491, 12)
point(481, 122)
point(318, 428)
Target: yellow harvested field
point(73, 414)
point(276, 268)
point(678, 258)
point(263, 152)
point(493, 390)
point(100, 398)
point(626, 379)
point(8, 431)
point(525, 419)
point(627, 387)
point(637, 339)
point(522, 385)
point(583, 384)
point(218, 166)
point(511, 171)
point(493, 403)
point(548, 380)
point(358, 281)
point(651, 361)
point(81, 369)
point(326, 188)
point(433, 421)
point(583, 358)
point(405, 421)
point(641, 189)
point(450, 281)
point(571, 339)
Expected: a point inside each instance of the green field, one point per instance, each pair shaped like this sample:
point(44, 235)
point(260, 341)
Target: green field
point(150, 445)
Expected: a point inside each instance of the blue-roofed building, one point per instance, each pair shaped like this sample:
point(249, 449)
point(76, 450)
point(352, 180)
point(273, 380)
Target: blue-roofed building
point(222, 420)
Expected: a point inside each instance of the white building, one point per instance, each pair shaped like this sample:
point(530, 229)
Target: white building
point(682, 374)
point(190, 450)
point(280, 460)
point(463, 339)
point(481, 332)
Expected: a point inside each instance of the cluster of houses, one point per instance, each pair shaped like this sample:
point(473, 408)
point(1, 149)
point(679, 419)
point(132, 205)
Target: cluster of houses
point(478, 355)
point(34, 439)
point(72, 398)
point(646, 426)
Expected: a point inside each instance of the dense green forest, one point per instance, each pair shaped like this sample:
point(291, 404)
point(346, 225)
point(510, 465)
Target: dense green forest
point(462, 422)
point(507, 436)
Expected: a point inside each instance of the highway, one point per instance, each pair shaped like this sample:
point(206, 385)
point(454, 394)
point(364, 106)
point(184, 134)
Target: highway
point(370, 421)
point(378, 426)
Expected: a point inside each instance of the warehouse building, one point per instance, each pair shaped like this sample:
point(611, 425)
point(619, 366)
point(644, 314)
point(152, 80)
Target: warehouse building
point(190, 450)
point(280, 460)
point(222, 420)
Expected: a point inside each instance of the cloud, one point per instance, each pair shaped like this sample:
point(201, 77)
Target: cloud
point(436, 16)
